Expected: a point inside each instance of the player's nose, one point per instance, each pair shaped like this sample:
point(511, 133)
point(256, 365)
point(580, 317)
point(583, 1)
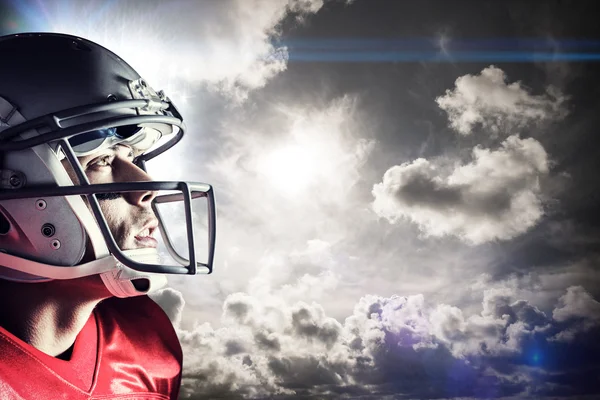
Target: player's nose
point(133, 173)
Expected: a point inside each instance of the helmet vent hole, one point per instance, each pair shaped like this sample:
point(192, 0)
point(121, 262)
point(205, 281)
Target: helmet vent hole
point(40, 204)
point(4, 225)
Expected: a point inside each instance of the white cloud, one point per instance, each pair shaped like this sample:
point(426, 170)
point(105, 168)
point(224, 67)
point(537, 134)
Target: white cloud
point(270, 346)
point(172, 302)
point(298, 153)
point(502, 328)
point(226, 44)
point(500, 107)
point(580, 310)
point(577, 303)
point(496, 196)
point(265, 342)
point(273, 204)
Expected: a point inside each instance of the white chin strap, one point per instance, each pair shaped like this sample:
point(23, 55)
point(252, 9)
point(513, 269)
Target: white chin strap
point(117, 278)
point(120, 280)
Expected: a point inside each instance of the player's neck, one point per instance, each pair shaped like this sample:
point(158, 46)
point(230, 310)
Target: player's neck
point(47, 316)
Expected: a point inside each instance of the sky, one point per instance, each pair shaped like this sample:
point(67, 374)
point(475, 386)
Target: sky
point(407, 194)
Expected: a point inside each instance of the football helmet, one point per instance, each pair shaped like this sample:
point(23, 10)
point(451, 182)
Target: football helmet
point(64, 97)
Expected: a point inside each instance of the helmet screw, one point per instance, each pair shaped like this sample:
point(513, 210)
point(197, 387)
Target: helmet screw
point(14, 181)
point(40, 204)
point(55, 244)
point(111, 97)
point(48, 230)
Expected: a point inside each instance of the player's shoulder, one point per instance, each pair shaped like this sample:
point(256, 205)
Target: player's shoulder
point(137, 317)
point(137, 328)
point(137, 306)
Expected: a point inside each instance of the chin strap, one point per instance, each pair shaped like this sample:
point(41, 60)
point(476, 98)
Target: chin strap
point(117, 278)
point(120, 280)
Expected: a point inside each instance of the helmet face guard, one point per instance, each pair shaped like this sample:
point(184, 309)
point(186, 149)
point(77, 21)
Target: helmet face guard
point(151, 115)
point(187, 192)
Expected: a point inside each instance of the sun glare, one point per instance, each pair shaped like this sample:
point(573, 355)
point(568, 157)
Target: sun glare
point(291, 168)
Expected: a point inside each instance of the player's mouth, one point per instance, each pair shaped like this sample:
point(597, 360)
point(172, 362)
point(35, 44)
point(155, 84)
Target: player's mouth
point(144, 238)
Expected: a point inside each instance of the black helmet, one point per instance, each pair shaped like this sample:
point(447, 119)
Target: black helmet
point(61, 97)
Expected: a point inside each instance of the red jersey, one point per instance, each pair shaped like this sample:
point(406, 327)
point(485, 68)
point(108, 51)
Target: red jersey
point(127, 350)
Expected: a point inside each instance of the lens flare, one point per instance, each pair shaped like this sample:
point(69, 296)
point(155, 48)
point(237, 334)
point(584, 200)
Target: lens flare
point(536, 357)
point(440, 50)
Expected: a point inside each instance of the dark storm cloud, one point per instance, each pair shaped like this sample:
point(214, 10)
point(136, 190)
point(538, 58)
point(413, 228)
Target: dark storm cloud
point(314, 327)
point(267, 341)
point(398, 345)
point(238, 309)
point(234, 347)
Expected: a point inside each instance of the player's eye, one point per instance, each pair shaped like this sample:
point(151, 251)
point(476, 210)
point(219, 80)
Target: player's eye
point(101, 162)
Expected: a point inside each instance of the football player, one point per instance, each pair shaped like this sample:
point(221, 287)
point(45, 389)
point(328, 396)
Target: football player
point(82, 238)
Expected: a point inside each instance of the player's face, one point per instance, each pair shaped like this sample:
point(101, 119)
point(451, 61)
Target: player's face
point(129, 215)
